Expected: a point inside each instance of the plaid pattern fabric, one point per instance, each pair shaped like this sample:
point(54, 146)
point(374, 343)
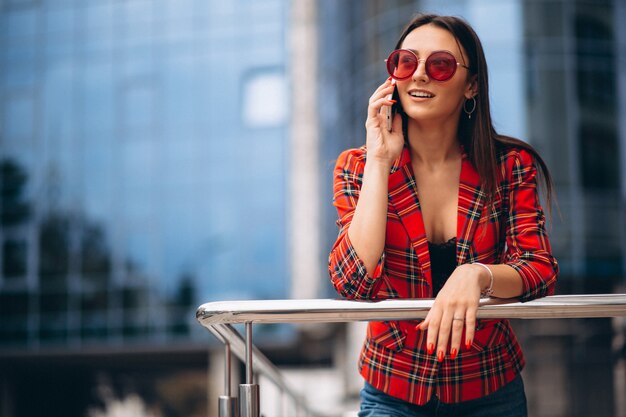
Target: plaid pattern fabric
point(510, 231)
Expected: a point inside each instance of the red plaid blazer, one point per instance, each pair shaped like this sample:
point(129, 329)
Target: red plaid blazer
point(511, 231)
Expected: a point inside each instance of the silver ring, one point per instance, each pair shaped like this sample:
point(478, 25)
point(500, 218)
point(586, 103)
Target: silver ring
point(457, 318)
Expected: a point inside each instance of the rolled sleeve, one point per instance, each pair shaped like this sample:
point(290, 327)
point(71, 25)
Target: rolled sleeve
point(528, 247)
point(348, 274)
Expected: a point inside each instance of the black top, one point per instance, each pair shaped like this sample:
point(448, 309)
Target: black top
point(442, 262)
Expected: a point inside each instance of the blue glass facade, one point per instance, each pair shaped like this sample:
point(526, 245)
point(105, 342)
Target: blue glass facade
point(143, 148)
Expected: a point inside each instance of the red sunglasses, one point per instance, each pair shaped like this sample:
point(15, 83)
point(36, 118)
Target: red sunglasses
point(440, 65)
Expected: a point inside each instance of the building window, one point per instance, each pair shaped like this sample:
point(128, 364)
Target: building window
point(18, 4)
point(595, 63)
point(599, 157)
point(14, 258)
point(265, 100)
point(19, 119)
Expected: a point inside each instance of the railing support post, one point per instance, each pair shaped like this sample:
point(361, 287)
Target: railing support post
point(227, 406)
point(249, 392)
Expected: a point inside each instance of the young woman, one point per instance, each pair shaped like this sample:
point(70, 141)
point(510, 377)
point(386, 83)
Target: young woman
point(440, 206)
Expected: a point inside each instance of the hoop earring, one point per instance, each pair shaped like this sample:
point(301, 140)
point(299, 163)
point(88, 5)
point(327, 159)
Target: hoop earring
point(469, 112)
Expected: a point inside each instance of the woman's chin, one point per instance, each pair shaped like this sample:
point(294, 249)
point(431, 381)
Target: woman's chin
point(422, 116)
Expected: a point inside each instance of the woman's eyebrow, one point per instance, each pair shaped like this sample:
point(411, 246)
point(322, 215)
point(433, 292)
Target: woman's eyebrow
point(415, 51)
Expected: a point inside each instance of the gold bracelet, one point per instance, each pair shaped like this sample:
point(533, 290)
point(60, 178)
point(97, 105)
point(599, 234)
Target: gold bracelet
point(489, 291)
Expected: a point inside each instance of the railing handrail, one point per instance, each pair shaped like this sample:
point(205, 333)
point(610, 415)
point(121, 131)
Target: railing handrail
point(262, 365)
point(329, 310)
point(219, 316)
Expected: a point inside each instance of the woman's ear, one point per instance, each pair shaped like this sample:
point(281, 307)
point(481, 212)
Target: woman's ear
point(472, 87)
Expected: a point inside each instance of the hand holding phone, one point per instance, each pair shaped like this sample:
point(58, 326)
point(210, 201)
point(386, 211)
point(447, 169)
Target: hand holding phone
point(389, 109)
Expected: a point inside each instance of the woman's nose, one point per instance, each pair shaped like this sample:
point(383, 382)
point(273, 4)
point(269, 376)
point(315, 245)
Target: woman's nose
point(420, 71)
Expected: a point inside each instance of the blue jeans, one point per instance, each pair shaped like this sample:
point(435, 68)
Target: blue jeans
point(508, 401)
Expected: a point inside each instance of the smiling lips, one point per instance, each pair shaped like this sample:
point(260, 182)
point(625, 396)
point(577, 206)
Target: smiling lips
point(421, 94)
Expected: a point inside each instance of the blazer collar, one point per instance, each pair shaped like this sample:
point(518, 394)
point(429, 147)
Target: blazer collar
point(404, 197)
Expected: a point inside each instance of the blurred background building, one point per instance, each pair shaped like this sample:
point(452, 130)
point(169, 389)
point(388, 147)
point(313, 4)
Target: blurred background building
point(158, 154)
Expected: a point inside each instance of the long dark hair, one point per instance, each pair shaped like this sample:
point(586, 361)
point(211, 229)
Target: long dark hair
point(477, 135)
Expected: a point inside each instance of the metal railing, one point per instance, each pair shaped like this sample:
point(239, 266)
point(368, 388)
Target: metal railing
point(218, 317)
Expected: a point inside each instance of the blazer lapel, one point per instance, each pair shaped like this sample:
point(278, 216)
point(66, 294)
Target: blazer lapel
point(471, 201)
point(404, 198)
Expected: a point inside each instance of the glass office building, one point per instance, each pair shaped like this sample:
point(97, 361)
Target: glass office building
point(143, 146)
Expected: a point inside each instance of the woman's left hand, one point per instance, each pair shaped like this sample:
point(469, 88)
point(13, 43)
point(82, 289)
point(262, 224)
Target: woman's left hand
point(454, 309)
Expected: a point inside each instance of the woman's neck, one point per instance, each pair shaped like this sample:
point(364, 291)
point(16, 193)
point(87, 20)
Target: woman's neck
point(433, 145)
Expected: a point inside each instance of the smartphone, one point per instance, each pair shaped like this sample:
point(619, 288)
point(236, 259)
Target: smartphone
point(389, 109)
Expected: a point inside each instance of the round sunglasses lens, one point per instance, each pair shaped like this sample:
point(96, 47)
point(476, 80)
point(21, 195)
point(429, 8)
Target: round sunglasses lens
point(441, 66)
point(401, 64)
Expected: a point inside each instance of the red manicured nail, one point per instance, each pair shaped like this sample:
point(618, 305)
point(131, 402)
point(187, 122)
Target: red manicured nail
point(468, 344)
point(453, 354)
point(431, 348)
point(440, 356)
point(393, 101)
point(389, 79)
